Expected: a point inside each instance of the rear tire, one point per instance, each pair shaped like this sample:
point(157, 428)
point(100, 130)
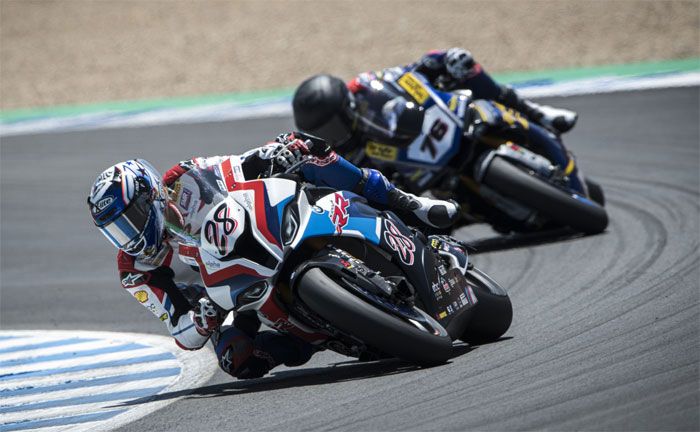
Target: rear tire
point(554, 203)
point(493, 312)
point(376, 328)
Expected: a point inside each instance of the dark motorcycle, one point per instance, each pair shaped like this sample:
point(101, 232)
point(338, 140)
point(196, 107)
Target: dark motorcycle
point(475, 152)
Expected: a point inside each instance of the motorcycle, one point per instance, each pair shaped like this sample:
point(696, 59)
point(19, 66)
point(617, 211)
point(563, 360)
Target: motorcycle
point(324, 266)
point(473, 151)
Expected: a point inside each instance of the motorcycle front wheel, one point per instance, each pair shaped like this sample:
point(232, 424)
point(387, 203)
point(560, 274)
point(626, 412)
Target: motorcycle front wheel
point(376, 328)
point(582, 214)
point(493, 312)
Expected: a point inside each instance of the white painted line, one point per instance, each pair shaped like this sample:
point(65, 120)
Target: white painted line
point(83, 395)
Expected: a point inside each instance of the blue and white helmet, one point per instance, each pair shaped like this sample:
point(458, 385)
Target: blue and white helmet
point(127, 202)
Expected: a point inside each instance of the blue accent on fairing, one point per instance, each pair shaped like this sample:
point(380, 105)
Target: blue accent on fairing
point(273, 220)
point(362, 218)
point(60, 421)
point(95, 382)
point(102, 365)
point(82, 400)
point(167, 303)
point(340, 174)
point(377, 187)
point(71, 354)
point(49, 344)
point(280, 208)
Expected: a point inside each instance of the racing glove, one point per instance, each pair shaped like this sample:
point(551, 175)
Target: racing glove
point(206, 318)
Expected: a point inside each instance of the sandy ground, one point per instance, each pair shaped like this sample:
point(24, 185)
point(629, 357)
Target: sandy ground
point(78, 51)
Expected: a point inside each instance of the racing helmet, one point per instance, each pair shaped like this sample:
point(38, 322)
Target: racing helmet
point(127, 202)
point(324, 107)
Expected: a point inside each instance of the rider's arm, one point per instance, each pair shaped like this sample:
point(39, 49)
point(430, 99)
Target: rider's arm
point(472, 76)
point(155, 289)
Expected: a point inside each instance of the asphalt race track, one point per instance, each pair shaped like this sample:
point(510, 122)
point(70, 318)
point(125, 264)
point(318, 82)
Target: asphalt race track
point(605, 333)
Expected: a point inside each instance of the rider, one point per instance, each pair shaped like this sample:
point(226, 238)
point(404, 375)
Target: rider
point(348, 115)
point(129, 204)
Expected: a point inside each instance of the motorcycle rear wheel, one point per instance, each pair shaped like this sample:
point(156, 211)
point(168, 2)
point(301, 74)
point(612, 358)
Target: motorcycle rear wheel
point(560, 207)
point(373, 326)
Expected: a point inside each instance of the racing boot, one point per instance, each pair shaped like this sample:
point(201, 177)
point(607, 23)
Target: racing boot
point(432, 212)
point(557, 120)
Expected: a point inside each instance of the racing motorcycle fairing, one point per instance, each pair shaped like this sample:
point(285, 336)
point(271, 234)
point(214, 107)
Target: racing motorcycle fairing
point(441, 129)
point(249, 229)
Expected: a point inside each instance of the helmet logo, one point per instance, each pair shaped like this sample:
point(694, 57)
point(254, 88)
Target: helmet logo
point(104, 202)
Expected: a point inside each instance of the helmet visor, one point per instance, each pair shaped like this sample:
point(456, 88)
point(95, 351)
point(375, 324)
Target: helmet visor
point(126, 231)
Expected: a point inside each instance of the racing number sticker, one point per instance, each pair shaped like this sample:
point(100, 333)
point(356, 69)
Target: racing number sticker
point(436, 139)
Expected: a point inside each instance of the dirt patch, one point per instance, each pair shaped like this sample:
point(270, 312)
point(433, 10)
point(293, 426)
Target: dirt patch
point(67, 52)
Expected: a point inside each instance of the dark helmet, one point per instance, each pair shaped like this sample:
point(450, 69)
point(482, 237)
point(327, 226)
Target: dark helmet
point(324, 107)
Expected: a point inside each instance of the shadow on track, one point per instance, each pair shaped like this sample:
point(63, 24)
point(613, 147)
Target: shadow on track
point(338, 372)
point(521, 240)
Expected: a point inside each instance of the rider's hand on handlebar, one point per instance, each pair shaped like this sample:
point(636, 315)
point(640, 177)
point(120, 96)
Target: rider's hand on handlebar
point(291, 154)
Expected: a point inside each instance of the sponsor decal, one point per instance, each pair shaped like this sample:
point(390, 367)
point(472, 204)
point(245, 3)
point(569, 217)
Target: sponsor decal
point(463, 299)
point(221, 185)
point(381, 151)
point(212, 264)
point(141, 296)
point(104, 202)
point(414, 87)
point(163, 317)
point(398, 242)
point(131, 279)
point(442, 315)
point(339, 215)
point(185, 198)
point(317, 209)
point(216, 232)
point(247, 201)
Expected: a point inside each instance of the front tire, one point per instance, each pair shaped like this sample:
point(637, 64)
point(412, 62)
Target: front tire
point(376, 328)
point(585, 216)
point(493, 312)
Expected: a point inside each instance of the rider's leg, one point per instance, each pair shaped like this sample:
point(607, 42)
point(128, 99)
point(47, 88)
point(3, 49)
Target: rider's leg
point(370, 183)
point(557, 120)
point(245, 357)
point(484, 87)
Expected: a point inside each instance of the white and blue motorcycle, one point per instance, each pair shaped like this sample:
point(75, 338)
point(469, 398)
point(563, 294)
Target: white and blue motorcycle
point(326, 267)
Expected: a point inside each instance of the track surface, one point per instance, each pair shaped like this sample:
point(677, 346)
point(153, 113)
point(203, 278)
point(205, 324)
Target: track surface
point(605, 333)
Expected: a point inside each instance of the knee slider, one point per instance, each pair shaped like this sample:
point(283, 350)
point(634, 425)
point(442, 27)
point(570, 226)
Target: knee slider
point(233, 349)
